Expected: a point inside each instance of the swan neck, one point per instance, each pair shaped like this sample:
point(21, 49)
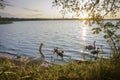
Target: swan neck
point(40, 50)
point(94, 44)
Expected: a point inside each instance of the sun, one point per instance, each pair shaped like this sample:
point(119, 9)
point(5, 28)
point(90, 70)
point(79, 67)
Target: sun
point(84, 15)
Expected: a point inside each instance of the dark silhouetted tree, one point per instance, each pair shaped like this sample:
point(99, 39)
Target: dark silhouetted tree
point(1, 4)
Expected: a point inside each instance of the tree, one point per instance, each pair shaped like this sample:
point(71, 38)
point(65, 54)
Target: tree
point(96, 11)
point(4, 3)
point(92, 7)
point(1, 4)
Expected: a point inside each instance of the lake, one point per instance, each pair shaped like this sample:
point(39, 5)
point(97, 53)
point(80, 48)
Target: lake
point(24, 37)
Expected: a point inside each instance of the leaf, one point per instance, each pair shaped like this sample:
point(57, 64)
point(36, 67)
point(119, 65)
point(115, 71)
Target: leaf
point(96, 30)
point(106, 36)
point(117, 36)
point(108, 24)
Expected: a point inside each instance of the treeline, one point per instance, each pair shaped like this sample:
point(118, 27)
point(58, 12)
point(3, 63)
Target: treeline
point(37, 19)
point(5, 21)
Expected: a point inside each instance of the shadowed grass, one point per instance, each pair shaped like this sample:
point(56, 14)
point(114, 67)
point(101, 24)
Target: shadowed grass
point(99, 70)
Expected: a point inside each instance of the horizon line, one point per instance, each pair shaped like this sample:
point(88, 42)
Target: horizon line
point(59, 18)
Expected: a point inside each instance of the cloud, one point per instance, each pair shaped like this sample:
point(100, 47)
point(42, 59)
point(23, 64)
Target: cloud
point(36, 14)
point(7, 3)
point(33, 10)
point(4, 14)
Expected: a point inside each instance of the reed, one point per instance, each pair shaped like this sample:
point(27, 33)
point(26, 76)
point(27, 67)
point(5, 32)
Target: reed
point(99, 70)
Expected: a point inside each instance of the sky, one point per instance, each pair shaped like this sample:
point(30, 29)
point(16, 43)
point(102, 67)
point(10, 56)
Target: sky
point(32, 9)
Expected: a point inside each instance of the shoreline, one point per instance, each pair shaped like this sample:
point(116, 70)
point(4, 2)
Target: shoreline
point(18, 69)
point(56, 61)
point(6, 22)
point(10, 20)
point(39, 59)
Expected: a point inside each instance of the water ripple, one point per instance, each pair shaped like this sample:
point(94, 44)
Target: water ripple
point(69, 36)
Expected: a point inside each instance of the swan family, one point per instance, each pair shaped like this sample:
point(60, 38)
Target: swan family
point(55, 51)
point(94, 50)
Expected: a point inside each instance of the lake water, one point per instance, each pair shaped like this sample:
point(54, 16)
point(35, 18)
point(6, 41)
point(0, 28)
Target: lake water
point(24, 38)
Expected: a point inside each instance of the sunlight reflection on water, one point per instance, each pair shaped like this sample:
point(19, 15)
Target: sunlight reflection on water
point(84, 35)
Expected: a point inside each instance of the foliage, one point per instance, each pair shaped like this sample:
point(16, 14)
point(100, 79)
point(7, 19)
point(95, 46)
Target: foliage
point(1, 4)
point(94, 8)
point(5, 21)
point(99, 70)
point(111, 34)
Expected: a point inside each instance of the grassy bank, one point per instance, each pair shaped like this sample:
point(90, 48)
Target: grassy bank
point(99, 70)
point(5, 22)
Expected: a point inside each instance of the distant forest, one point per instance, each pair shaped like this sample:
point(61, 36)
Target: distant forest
point(37, 19)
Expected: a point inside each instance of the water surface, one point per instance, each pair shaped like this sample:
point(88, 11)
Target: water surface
point(24, 37)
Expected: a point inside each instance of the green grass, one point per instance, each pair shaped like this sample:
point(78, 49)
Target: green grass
point(5, 22)
point(99, 70)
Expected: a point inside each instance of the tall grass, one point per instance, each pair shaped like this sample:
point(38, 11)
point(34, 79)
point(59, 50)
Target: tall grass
point(99, 70)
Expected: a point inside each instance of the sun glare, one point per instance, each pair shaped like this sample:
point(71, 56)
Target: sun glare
point(84, 33)
point(84, 15)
